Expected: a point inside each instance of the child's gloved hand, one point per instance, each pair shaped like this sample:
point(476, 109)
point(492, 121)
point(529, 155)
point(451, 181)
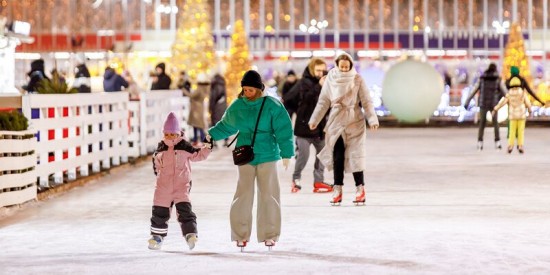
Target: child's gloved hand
point(208, 142)
point(286, 162)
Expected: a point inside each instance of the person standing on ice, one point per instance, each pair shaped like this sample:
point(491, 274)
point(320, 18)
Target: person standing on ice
point(172, 167)
point(518, 104)
point(491, 90)
point(274, 140)
point(344, 92)
point(305, 95)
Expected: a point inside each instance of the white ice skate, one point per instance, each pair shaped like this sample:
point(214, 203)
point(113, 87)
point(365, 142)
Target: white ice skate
point(155, 242)
point(480, 145)
point(191, 239)
point(269, 243)
point(359, 195)
point(241, 244)
point(336, 195)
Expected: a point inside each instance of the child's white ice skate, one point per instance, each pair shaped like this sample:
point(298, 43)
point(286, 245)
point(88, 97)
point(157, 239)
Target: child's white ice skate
point(191, 239)
point(155, 242)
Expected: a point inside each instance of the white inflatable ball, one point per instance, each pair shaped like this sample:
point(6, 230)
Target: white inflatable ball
point(412, 90)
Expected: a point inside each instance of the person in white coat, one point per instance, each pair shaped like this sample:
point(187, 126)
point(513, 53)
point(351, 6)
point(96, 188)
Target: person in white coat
point(344, 93)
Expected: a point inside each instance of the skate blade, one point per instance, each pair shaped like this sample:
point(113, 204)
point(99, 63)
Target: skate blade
point(359, 203)
point(295, 190)
point(335, 203)
point(321, 190)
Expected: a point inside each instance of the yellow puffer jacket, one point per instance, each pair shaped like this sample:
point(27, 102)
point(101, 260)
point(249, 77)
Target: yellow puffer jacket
point(518, 103)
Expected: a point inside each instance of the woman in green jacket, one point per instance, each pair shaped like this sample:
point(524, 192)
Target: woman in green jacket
point(274, 140)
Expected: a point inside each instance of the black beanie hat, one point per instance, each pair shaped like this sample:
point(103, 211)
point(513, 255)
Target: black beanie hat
point(252, 79)
point(291, 72)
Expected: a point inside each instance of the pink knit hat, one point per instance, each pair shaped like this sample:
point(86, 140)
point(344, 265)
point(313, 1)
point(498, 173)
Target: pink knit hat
point(171, 124)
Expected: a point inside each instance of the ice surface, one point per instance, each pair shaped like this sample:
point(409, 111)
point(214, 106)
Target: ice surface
point(434, 206)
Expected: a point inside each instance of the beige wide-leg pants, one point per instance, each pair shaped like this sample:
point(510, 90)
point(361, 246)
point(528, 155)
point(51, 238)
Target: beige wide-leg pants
point(268, 220)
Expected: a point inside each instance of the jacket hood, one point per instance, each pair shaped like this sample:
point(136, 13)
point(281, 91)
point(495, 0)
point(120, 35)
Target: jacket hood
point(37, 65)
point(308, 75)
point(491, 74)
point(109, 74)
point(162, 66)
point(218, 79)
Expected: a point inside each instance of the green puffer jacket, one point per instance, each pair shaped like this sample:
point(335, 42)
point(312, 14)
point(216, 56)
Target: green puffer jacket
point(274, 138)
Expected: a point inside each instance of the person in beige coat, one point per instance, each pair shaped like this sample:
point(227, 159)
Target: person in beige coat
point(197, 115)
point(518, 104)
point(345, 131)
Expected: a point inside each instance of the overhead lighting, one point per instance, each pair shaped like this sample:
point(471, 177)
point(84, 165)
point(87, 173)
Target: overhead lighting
point(97, 3)
point(324, 53)
point(456, 52)
point(105, 32)
point(166, 9)
point(62, 55)
point(280, 53)
point(314, 26)
point(300, 54)
point(27, 56)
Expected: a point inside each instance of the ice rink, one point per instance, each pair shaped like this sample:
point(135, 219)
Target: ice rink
point(435, 205)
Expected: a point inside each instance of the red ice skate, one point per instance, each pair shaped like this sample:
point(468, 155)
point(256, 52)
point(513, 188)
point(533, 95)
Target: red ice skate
point(322, 187)
point(336, 195)
point(296, 187)
point(360, 195)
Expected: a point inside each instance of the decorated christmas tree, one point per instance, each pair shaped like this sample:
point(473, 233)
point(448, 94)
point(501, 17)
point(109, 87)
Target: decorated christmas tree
point(193, 49)
point(514, 55)
point(238, 61)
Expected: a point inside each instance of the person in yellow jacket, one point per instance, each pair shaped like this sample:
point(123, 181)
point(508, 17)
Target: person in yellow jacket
point(518, 104)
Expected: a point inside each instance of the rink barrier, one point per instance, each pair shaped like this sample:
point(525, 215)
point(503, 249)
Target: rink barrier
point(17, 167)
point(146, 119)
point(77, 133)
point(74, 135)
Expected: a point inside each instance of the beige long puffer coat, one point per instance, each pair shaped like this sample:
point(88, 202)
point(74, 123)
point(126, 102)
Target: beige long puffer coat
point(342, 92)
point(197, 114)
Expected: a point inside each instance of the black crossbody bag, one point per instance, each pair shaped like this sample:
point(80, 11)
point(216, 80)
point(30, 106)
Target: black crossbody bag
point(245, 154)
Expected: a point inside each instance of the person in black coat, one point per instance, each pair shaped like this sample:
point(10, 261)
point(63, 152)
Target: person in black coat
point(36, 75)
point(287, 86)
point(305, 95)
point(491, 89)
point(217, 101)
point(162, 81)
point(113, 82)
point(82, 77)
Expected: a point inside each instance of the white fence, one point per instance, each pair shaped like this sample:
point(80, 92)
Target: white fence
point(76, 133)
point(147, 119)
point(17, 167)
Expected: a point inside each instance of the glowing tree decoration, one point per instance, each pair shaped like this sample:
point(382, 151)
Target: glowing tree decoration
point(514, 54)
point(238, 61)
point(193, 49)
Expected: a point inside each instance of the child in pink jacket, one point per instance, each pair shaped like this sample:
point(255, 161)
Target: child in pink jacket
point(171, 163)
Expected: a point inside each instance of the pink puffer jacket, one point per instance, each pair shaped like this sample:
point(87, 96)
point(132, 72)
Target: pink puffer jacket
point(171, 162)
